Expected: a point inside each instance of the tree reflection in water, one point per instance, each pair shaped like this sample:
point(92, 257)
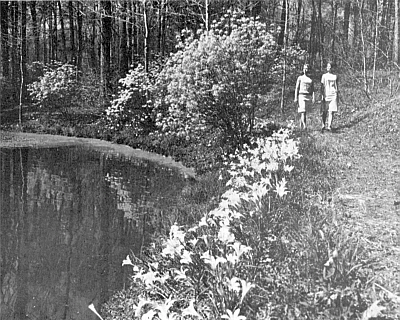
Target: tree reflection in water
point(68, 218)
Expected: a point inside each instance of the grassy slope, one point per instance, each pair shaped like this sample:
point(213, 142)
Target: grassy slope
point(364, 151)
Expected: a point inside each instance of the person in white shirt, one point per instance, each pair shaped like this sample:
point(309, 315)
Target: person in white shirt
point(330, 96)
point(304, 94)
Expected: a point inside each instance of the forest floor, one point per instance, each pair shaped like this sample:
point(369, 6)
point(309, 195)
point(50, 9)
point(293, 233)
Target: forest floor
point(364, 151)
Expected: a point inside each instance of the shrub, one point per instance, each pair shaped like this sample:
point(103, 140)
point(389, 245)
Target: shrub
point(133, 107)
point(62, 87)
point(216, 81)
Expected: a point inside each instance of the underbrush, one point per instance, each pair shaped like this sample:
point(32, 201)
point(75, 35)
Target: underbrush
point(269, 245)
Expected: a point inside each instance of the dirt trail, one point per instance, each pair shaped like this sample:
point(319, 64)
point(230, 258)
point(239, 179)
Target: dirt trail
point(365, 152)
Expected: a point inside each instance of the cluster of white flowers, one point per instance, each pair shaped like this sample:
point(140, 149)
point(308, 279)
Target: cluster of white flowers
point(210, 248)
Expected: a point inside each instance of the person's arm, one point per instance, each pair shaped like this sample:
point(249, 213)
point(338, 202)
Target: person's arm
point(322, 88)
point(313, 92)
point(296, 92)
point(337, 88)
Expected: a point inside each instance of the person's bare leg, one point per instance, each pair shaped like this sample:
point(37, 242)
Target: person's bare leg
point(324, 114)
point(330, 119)
point(303, 120)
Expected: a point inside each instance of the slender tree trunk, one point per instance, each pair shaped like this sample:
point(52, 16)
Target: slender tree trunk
point(44, 40)
point(163, 27)
point(396, 32)
point(282, 23)
point(51, 35)
point(334, 9)
point(284, 57)
point(356, 15)
point(80, 35)
point(72, 31)
point(298, 17)
point(321, 34)
point(106, 35)
point(24, 54)
point(346, 21)
point(136, 32)
point(55, 31)
point(146, 37)
point(363, 43)
point(376, 41)
point(36, 30)
point(93, 55)
point(63, 36)
point(130, 32)
point(311, 49)
point(14, 49)
point(207, 11)
point(4, 38)
point(124, 62)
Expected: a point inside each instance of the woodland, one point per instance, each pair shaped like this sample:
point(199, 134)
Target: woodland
point(265, 231)
point(107, 38)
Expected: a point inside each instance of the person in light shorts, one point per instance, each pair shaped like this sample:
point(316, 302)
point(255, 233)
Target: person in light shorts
point(304, 95)
point(330, 96)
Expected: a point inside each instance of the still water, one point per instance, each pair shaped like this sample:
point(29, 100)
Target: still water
point(68, 217)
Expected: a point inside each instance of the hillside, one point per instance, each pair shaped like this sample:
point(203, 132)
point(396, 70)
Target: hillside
point(364, 150)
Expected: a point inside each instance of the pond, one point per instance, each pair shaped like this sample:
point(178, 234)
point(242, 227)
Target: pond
point(69, 216)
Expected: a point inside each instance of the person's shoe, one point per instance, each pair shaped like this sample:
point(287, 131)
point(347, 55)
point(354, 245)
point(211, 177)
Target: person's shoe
point(329, 129)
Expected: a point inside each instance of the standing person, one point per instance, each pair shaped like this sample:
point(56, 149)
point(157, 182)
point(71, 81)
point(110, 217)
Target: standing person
point(304, 94)
point(330, 96)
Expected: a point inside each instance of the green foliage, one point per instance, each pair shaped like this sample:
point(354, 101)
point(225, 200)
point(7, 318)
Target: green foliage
point(216, 81)
point(62, 87)
point(133, 106)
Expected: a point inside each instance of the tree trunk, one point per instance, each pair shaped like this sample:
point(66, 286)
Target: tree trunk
point(63, 37)
point(130, 33)
point(282, 23)
point(55, 32)
point(396, 32)
point(22, 89)
point(364, 48)
point(44, 40)
point(80, 35)
point(284, 57)
point(321, 33)
point(4, 38)
point(377, 13)
point(356, 15)
point(106, 35)
point(334, 9)
point(311, 49)
point(346, 21)
point(72, 31)
point(298, 16)
point(93, 54)
point(51, 41)
point(124, 61)
point(146, 38)
point(14, 49)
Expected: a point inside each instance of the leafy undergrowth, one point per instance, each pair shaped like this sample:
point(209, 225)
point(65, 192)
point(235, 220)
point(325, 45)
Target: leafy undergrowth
point(336, 253)
point(364, 153)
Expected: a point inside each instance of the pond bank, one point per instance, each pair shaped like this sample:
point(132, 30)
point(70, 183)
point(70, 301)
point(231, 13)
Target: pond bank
point(35, 140)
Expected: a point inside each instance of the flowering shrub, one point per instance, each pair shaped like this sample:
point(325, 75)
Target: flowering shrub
point(133, 107)
point(57, 88)
point(208, 271)
point(62, 87)
point(216, 80)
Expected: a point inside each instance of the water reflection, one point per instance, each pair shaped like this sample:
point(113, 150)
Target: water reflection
point(68, 218)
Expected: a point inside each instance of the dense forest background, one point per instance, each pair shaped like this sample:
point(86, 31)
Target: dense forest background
point(106, 38)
